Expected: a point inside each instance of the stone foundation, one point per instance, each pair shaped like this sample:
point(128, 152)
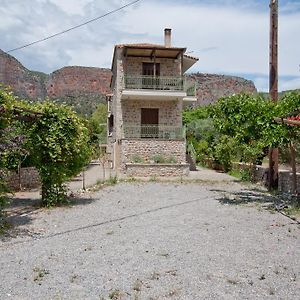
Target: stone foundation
point(157, 170)
point(147, 149)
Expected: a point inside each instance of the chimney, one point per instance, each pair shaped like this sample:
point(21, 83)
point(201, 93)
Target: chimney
point(168, 37)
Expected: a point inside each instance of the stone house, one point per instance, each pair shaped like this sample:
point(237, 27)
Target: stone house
point(149, 91)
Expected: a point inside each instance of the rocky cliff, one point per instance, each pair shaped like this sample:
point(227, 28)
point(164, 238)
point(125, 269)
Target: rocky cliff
point(210, 87)
point(81, 87)
point(84, 87)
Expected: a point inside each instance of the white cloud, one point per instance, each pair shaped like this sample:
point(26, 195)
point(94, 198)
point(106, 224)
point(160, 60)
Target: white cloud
point(290, 84)
point(71, 7)
point(229, 36)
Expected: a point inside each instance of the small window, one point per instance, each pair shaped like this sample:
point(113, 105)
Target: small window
point(110, 124)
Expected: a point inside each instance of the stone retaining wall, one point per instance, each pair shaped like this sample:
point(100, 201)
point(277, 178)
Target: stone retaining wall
point(157, 170)
point(146, 149)
point(27, 179)
point(285, 177)
point(285, 181)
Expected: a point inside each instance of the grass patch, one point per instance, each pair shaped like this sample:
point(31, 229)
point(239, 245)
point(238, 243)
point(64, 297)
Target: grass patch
point(243, 175)
point(293, 211)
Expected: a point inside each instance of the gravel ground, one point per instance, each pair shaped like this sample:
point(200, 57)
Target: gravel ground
point(154, 241)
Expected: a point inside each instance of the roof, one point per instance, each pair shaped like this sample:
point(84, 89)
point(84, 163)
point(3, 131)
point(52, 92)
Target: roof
point(148, 46)
point(191, 57)
point(155, 50)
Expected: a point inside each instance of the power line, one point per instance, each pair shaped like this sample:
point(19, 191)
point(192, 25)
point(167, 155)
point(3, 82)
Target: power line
point(74, 27)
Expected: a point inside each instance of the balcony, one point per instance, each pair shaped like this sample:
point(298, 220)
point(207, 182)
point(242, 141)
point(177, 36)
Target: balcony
point(159, 87)
point(161, 132)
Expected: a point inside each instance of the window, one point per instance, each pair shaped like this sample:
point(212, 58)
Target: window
point(110, 124)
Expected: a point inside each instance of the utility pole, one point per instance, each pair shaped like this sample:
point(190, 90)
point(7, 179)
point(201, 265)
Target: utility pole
point(273, 87)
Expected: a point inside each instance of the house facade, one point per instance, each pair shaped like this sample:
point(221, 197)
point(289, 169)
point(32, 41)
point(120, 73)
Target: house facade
point(145, 132)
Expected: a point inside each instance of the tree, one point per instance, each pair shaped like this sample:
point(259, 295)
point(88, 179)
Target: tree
point(58, 143)
point(11, 144)
point(248, 120)
point(289, 134)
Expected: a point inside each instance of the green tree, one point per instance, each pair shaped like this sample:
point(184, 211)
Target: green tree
point(248, 120)
point(58, 143)
point(11, 144)
point(97, 125)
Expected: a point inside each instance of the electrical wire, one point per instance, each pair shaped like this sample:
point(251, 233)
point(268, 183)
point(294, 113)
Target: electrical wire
point(74, 27)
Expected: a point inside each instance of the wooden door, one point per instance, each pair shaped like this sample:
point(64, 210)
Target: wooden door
point(149, 80)
point(149, 122)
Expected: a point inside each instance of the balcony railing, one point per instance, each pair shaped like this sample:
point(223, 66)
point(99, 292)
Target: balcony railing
point(160, 83)
point(153, 132)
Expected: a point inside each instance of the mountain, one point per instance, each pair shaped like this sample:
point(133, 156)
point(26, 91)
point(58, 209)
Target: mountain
point(81, 87)
point(85, 87)
point(210, 87)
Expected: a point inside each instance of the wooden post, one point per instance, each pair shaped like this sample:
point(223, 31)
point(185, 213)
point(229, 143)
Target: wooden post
point(273, 87)
point(294, 171)
point(83, 180)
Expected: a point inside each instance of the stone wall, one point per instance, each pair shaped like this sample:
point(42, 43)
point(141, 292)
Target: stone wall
point(285, 181)
point(168, 67)
point(285, 177)
point(157, 170)
point(27, 179)
point(170, 112)
point(146, 149)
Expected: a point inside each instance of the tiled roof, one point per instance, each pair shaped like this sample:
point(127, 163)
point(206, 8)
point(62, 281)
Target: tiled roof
point(139, 45)
point(146, 45)
point(192, 57)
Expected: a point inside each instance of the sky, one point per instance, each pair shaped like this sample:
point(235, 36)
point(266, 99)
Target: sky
point(229, 36)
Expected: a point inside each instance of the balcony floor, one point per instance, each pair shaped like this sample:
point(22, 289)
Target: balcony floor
point(152, 95)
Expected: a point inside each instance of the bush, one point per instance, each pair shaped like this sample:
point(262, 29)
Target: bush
point(159, 159)
point(171, 160)
point(224, 152)
point(137, 159)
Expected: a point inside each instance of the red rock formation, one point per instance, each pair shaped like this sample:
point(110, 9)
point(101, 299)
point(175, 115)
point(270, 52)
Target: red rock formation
point(68, 81)
point(210, 87)
point(22, 81)
point(77, 80)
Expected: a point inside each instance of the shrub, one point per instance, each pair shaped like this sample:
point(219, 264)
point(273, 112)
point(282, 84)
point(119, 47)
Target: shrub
point(171, 160)
point(159, 159)
point(137, 159)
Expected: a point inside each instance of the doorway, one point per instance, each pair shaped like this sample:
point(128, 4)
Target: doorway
point(149, 122)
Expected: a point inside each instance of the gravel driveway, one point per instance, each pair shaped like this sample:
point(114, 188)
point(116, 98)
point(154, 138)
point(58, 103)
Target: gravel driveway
point(154, 241)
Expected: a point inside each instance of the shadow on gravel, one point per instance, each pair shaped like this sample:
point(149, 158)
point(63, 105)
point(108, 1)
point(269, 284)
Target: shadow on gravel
point(74, 201)
point(20, 213)
point(23, 202)
point(248, 197)
point(109, 221)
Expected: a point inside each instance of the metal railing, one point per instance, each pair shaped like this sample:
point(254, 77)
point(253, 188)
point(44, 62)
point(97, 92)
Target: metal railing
point(175, 83)
point(162, 132)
